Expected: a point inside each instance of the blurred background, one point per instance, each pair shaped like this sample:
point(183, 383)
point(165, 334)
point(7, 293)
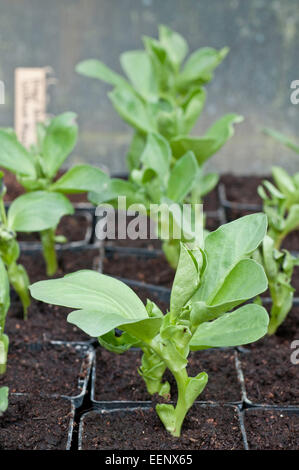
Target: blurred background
point(254, 80)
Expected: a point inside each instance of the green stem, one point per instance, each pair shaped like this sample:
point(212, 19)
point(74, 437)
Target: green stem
point(49, 253)
point(181, 408)
point(4, 343)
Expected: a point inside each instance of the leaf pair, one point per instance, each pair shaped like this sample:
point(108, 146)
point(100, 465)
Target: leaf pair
point(217, 280)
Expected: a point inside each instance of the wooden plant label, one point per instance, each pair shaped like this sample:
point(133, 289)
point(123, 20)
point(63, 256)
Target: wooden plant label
point(30, 102)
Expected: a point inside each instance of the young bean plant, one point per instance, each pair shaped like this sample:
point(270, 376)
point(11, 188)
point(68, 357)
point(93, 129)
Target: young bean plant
point(165, 94)
point(36, 170)
point(164, 185)
point(209, 284)
point(281, 205)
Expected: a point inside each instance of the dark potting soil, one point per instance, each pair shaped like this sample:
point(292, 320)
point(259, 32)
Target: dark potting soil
point(270, 377)
point(35, 424)
point(47, 322)
point(203, 428)
point(212, 223)
point(148, 270)
point(73, 227)
point(43, 369)
point(243, 189)
point(272, 429)
point(117, 376)
point(68, 262)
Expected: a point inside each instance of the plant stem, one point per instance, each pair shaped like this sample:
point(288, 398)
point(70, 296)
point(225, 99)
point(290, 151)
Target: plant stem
point(49, 253)
point(181, 408)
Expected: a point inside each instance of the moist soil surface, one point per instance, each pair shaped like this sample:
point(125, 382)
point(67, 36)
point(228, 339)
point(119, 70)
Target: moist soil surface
point(117, 376)
point(212, 223)
point(73, 227)
point(47, 322)
point(35, 423)
point(272, 429)
point(270, 377)
point(204, 428)
point(43, 369)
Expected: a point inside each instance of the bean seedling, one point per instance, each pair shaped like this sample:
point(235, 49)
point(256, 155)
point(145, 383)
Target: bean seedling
point(37, 168)
point(209, 284)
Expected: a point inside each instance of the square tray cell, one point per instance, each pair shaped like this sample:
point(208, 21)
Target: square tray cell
point(205, 427)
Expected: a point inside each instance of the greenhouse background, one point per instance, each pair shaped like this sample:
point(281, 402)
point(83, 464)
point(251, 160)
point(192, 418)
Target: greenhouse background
point(254, 80)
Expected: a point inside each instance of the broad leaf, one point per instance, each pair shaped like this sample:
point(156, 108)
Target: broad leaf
point(210, 143)
point(283, 181)
point(243, 326)
point(157, 156)
point(225, 247)
point(59, 141)
point(96, 69)
point(200, 66)
point(14, 157)
point(81, 178)
point(186, 279)
point(138, 68)
point(182, 177)
point(37, 211)
point(118, 187)
point(103, 302)
point(132, 109)
point(135, 151)
point(175, 45)
point(192, 109)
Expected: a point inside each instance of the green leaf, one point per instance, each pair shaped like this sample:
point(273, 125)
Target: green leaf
point(225, 247)
point(132, 109)
point(283, 181)
point(282, 138)
point(200, 66)
point(4, 294)
point(135, 150)
point(292, 220)
point(210, 143)
point(175, 45)
point(246, 280)
point(59, 141)
point(186, 279)
point(167, 415)
point(117, 344)
point(14, 157)
point(118, 187)
point(157, 156)
point(96, 69)
point(192, 108)
point(81, 178)
point(103, 302)
point(245, 325)
point(3, 399)
point(182, 177)
point(195, 387)
point(206, 183)
point(138, 68)
point(36, 211)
